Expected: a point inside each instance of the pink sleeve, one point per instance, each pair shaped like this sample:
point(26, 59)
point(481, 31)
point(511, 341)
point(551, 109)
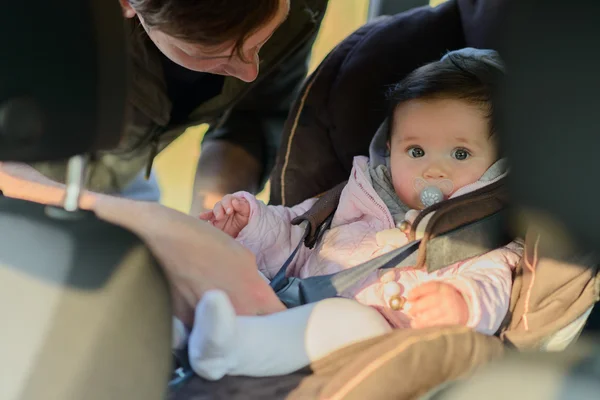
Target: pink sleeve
point(486, 282)
point(270, 234)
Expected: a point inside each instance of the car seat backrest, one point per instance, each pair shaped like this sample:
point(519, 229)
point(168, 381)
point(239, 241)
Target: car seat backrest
point(554, 289)
point(343, 103)
point(83, 308)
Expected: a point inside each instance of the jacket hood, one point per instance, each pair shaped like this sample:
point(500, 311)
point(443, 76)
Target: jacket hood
point(378, 150)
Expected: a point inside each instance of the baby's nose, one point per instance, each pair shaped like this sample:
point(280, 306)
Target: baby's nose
point(435, 172)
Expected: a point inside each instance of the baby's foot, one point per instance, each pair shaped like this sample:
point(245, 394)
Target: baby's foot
point(211, 343)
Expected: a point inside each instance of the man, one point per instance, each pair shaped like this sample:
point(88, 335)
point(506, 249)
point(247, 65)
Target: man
point(235, 65)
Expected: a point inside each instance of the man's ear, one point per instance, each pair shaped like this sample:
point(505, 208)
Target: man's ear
point(389, 146)
point(128, 11)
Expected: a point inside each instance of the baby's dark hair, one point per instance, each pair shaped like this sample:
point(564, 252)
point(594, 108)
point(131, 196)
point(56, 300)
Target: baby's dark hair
point(471, 75)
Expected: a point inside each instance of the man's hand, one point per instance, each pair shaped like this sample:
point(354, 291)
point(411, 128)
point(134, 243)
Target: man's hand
point(230, 215)
point(436, 304)
point(195, 256)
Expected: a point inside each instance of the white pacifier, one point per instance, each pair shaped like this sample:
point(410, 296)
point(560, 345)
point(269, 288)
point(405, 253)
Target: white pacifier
point(432, 192)
point(431, 195)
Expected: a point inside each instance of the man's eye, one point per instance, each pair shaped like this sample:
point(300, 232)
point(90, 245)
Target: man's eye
point(416, 152)
point(461, 154)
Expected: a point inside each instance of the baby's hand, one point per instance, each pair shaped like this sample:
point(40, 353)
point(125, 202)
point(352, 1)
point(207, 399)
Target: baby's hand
point(435, 304)
point(230, 215)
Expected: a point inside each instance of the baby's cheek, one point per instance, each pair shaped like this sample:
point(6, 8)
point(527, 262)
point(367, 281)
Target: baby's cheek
point(468, 174)
point(404, 189)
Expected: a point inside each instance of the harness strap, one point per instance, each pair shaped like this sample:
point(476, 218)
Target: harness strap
point(449, 239)
point(321, 212)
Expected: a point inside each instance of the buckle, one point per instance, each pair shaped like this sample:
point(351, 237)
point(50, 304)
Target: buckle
point(182, 371)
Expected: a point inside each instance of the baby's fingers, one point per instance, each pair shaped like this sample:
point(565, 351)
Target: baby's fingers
point(227, 204)
point(422, 305)
point(241, 206)
point(431, 317)
point(219, 211)
point(207, 215)
point(423, 290)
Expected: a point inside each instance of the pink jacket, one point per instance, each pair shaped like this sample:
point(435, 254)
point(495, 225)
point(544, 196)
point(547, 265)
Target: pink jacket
point(360, 231)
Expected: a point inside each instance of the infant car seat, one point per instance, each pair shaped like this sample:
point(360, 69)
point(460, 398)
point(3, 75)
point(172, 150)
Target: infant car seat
point(337, 112)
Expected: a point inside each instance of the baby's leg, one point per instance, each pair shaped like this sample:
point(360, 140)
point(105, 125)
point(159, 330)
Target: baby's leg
point(222, 343)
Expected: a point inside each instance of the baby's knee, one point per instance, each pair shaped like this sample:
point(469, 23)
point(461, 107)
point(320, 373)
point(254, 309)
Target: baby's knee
point(352, 315)
point(336, 323)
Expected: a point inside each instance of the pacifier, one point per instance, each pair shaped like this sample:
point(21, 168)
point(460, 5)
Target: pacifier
point(431, 195)
point(432, 192)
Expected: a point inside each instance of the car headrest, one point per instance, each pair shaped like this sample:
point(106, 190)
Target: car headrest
point(63, 78)
point(548, 116)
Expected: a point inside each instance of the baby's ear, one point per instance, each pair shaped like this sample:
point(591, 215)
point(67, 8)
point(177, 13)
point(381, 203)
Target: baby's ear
point(388, 145)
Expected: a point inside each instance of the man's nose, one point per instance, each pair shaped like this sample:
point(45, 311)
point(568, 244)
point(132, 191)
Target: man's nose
point(246, 71)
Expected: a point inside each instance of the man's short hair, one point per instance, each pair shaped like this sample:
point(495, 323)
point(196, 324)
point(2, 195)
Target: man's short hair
point(207, 22)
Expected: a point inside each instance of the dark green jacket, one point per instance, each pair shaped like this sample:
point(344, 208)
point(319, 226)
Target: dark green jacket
point(253, 111)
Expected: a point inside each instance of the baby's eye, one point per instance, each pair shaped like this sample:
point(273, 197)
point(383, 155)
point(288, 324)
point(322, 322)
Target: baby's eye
point(461, 154)
point(416, 152)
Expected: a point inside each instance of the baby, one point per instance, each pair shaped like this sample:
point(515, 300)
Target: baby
point(438, 143)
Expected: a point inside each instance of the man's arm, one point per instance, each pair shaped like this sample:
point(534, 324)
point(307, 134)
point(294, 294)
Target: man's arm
point(21, 181)
point(195, 256)
point(107, 173)
point(224, 167)
point(239, 155)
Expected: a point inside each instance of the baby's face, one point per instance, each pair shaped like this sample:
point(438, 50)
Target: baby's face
point(438, 141)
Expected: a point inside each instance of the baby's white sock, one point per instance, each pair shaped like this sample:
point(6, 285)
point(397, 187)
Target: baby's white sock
point(277, 344)
point(211, 346)
point(223, 344)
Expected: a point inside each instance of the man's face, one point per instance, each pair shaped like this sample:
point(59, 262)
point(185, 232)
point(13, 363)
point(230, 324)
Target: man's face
point(220, 60)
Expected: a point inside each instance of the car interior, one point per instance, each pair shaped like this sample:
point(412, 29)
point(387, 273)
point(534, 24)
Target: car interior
point(85, 309)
